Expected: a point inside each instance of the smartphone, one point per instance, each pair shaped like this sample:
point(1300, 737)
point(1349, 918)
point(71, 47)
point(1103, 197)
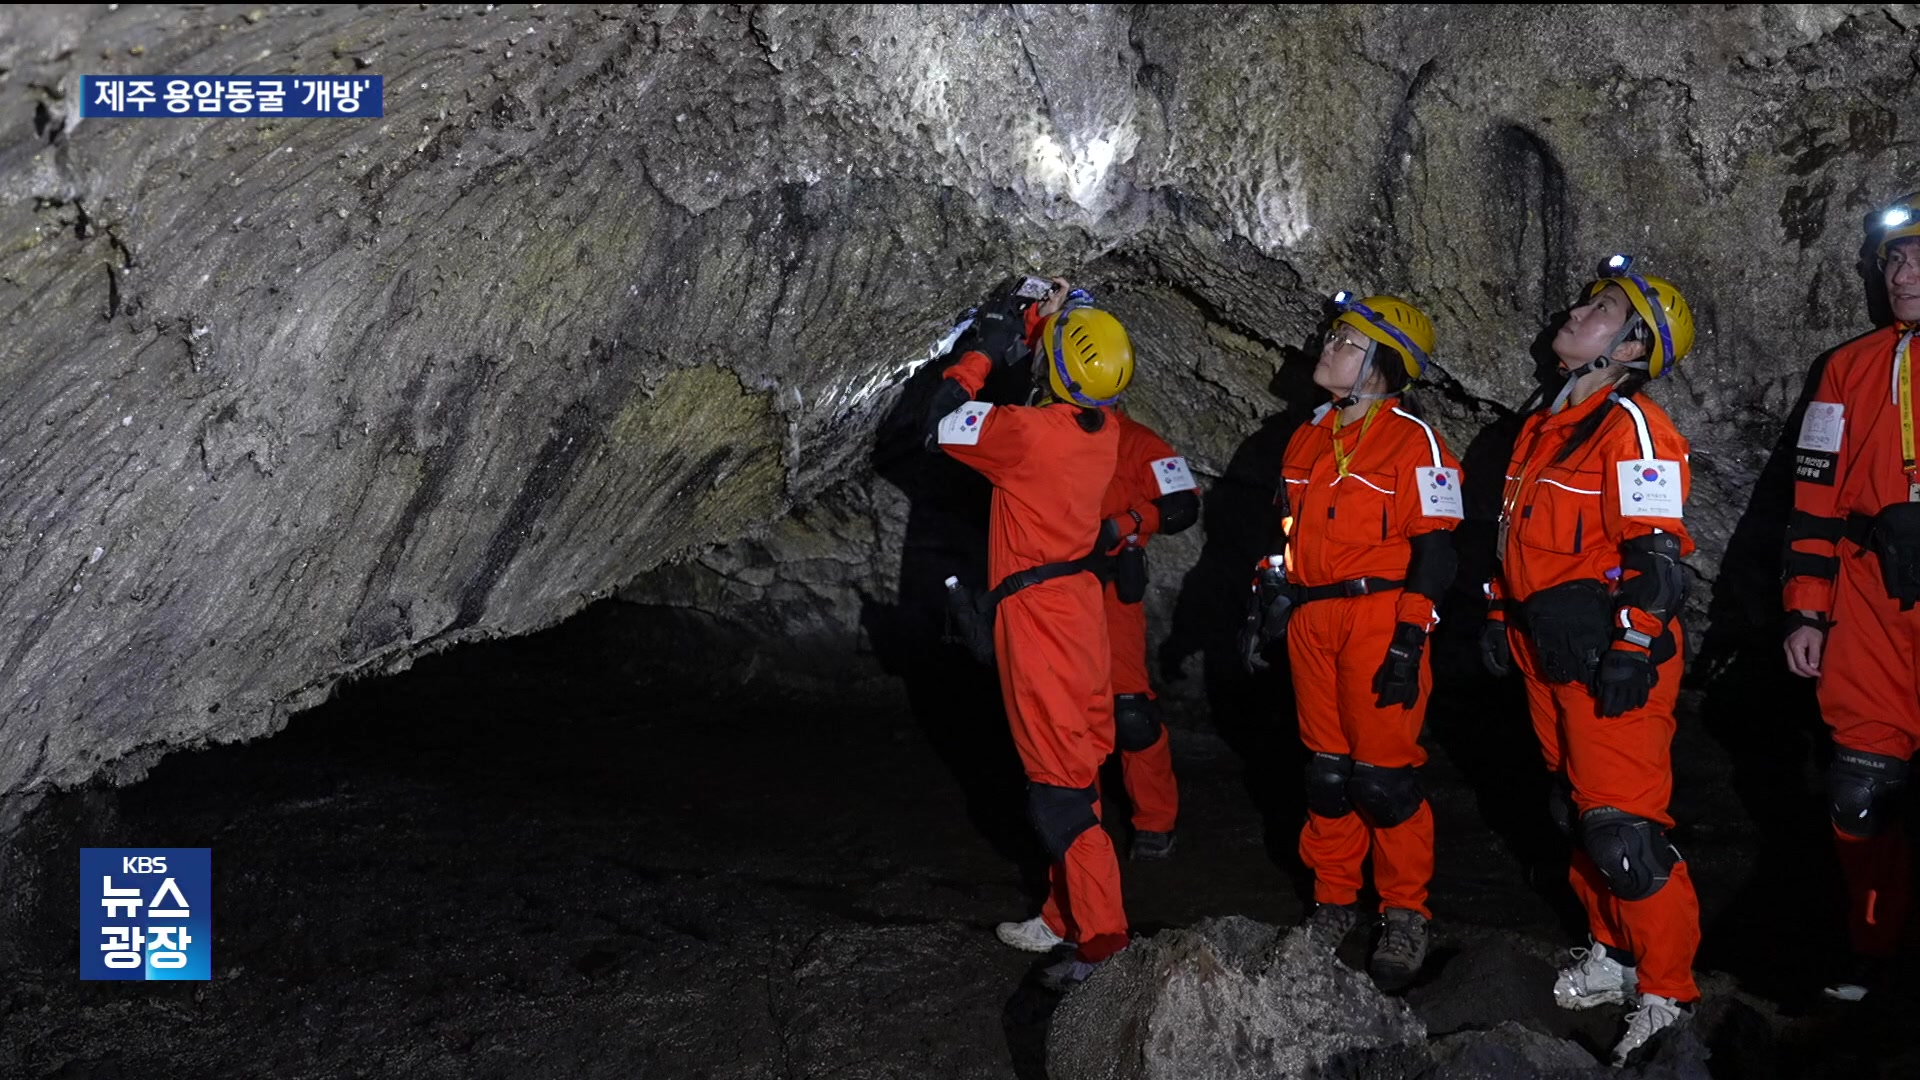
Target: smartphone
point(1033, 288)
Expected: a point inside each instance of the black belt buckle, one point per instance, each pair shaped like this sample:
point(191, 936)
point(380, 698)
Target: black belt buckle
point(1358, 586)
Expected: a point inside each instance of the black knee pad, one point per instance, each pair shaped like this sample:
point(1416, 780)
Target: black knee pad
point(1061, 814)
point(1859, 787)
point(1136, 722)
point(1327, 776)
point(1560, 806)
point(1633, 854)
point(1385, 796)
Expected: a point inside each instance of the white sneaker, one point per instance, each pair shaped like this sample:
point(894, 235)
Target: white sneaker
point(1593, 979)
point(1034, 935)
point(1655, 1014)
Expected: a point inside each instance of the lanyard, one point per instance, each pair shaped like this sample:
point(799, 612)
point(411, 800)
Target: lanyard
point(1343, 457)
point(1903, 393)
point(1517, 483)
point(1515, 486)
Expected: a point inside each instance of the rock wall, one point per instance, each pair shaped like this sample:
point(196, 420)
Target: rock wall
point(285, 402)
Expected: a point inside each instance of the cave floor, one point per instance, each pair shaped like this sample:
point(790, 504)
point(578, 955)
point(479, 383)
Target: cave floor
point(544, 858)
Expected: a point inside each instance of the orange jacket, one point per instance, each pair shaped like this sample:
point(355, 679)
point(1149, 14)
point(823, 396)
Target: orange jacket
point(1148, 471)
point(1048, 473)
point(1401, 482)
point(1565, 520)
point(1847, 461)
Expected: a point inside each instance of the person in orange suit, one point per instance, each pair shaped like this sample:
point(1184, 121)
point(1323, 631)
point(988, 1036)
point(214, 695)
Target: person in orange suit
point(1153, 491)
point(1050, 464)
point(1371, 495)
point(1589, 583)
point(1852, 578)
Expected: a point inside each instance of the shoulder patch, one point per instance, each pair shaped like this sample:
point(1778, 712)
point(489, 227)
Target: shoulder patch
point(1440, 492)
point(1172, 474)
point(961, 427)
point(1820, 431)
point(1650, 487)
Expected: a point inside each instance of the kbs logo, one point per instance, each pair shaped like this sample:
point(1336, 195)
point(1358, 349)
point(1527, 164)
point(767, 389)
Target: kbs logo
point(146, 913)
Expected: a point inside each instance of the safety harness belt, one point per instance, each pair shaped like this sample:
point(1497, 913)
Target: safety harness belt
point(1365, 586)
point(1093, 562)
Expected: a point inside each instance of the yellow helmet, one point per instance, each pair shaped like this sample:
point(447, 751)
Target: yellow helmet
point(1660, 305)
point(1898, 221)
point(1392, 322)
point(1088, 356)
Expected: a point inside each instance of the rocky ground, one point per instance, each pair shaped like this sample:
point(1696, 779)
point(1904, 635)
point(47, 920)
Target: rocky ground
point(582, 854)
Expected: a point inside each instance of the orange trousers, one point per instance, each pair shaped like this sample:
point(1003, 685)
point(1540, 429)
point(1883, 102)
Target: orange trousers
point(1149, 773)
point(1335, 648)
point(1057, 684)
point(1870, 698)
point(1624, 762)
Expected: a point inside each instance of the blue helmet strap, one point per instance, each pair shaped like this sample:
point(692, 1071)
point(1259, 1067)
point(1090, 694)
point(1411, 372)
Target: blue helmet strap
point(1414, 352)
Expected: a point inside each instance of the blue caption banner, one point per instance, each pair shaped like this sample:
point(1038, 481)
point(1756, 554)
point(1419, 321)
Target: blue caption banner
point(146, 913)
point(178, 96)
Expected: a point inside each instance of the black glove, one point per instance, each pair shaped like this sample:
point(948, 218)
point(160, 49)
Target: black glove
point(1622, 682)
point(1398, 680)
point(1496, 652)
point(998, 333)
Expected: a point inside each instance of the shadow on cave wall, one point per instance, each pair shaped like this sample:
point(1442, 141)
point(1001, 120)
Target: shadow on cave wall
point(954, 700)
point(1479, 721)
point(1769, 724)
point(1252, 713)
point(1768, 720)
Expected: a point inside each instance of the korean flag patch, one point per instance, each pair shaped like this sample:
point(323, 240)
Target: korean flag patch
point(1439, 492)
point(1649, 487)
point(961, 427)
point(1172, 474)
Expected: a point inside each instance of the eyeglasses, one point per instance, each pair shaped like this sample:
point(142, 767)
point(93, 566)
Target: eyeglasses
point(1342, 337)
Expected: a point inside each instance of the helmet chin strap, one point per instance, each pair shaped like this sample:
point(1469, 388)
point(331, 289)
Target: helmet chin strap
point(1353, 395)
point(1598, 363)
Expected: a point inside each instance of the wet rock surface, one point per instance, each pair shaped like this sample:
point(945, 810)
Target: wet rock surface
point(556, 857)
point(290, 401)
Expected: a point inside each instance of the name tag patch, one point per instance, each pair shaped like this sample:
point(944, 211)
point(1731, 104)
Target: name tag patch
point(1440, 492)
point(961, 427)
point(1816, 468)
point(1650, 487)
point(1820, 431)
point(1172, 474)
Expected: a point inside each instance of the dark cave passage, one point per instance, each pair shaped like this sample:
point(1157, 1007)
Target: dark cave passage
point(590, 852)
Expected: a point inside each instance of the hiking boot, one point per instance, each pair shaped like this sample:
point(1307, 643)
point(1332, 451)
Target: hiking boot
point(1151, 845)
point(1594, 978)
point(1330, 924)
point(1655, 1014)
point(1401, 951)
point(1034, 935)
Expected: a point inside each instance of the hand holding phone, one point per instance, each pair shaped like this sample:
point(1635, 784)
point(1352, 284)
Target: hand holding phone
point(1034, 289)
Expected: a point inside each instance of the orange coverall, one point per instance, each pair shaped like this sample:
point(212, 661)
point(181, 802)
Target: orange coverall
point(1048, 476)
point(1564, 522)
point(1342, 525)
point(1850, 462)
point(1137, 483)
